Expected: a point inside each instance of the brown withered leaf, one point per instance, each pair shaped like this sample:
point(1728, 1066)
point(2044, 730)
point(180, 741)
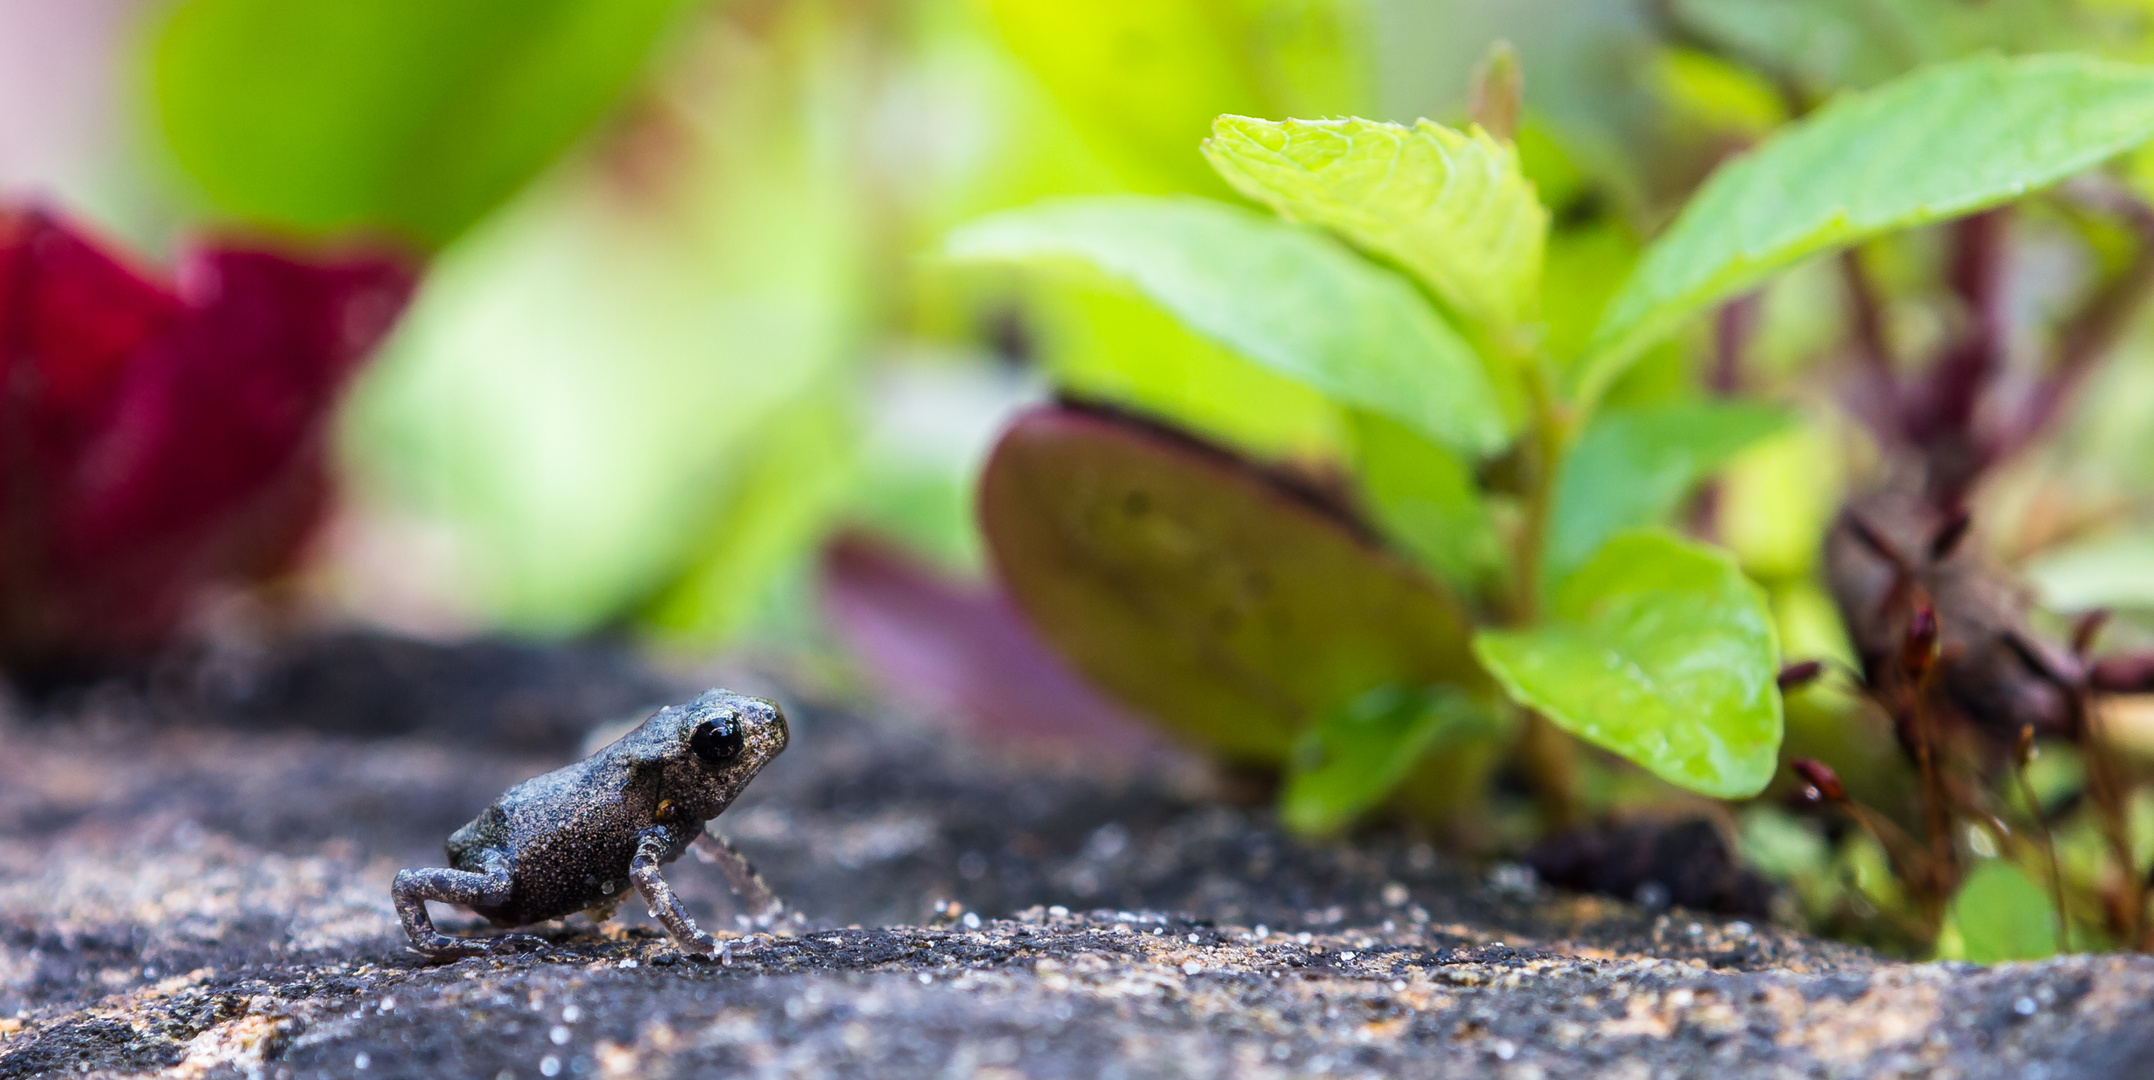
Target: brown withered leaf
point(1227, 603)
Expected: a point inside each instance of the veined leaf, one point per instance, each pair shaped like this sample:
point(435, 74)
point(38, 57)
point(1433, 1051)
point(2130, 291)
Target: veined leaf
point(1353, 756)
point(1424, 497)
point(1661, 651)
point(1451, 206)
point(1198, 589)
point(1284, 297)
point(1940, 143)
point(1632, 467)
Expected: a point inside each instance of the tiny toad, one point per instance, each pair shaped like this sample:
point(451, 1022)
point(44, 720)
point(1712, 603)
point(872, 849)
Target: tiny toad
point(576, 838)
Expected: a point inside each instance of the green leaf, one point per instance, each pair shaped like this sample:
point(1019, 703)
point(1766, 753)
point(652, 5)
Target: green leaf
point(1660, 651)
point(1201, 590)
point(1425, 499)
point(1633, 466)
point(1940, 143)
point(2001, 914)
point(1287, 298)
point(411, 116)
point(1452, 207)
point(1353, 756)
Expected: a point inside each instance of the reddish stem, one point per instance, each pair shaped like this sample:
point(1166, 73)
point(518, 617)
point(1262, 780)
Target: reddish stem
point(2022, 754)
point(1733, 329)
point(2107, 789)
point(1943, 418)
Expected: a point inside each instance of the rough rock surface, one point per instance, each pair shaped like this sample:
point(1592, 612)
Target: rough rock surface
point(184, 896)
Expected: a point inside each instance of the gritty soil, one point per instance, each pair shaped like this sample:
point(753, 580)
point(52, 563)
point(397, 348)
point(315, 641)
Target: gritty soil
point(194, 873)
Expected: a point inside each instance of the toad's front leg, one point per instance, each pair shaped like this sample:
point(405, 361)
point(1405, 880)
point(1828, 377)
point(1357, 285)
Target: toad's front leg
point(651, 846)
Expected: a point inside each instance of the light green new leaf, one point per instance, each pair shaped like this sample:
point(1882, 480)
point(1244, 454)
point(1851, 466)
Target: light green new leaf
point(410, 116)
point(1453, 207)
point(1661, 651)
point(1937, 144)
point(1424, 497)
point(1287, 298)
point(1632, 467)
point(2000, 914)
point(1351, 758)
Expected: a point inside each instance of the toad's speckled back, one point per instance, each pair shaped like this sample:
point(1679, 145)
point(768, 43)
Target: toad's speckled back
point(567, 837)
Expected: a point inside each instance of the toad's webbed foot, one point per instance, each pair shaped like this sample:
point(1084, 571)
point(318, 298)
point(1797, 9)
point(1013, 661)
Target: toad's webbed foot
point(763, 908)
point(413, 888)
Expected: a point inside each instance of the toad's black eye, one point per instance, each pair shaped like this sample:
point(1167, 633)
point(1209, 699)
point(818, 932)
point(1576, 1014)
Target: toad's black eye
point(717, 745)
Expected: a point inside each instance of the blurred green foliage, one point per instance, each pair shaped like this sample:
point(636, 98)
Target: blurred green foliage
point(602, 385)
point(673, 236)
point(2000, 914)
point(413, 117)
point(691, 308)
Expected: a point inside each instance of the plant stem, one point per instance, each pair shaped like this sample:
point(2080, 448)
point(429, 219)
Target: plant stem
point(2107, 790)
point(1907, 857)
point(1548, 755)
point(1937, 819)
point(2048, 844)
point(1551, 762)
point(1551, 431)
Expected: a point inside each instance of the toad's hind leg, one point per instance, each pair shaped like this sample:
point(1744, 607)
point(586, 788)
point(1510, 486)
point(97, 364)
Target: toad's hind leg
point(413, 888)
point(762, 904)
point(651, 848)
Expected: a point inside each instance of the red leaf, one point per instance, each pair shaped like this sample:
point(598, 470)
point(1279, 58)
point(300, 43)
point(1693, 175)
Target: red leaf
point(152, 442)
point(70, 316)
